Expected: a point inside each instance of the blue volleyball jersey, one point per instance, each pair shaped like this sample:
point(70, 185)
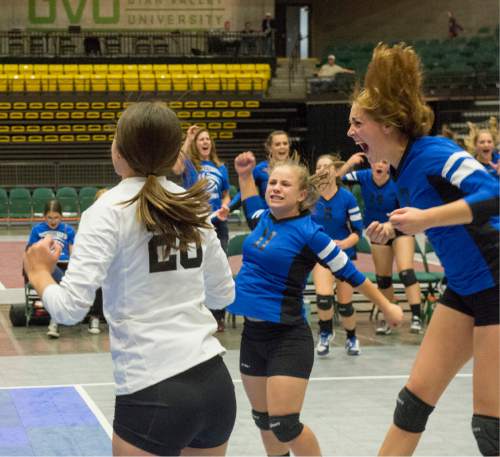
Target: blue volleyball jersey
point(218, 181)
point(278, 256)
point(434, 171)
point(339, 216)
point(379, 200)
point(64, 234)
point(189, 175)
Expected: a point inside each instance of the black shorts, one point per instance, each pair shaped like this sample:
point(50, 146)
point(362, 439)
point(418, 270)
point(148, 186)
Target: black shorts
point(196, 409)
point(269, 349)
point(389, 242)
point(482, 306)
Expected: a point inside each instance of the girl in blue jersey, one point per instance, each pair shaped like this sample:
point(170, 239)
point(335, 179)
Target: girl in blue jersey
point(338, 213)
point(63, 234)
point(448, 194)
point(277, 348)
point(485, 152)
point(380, 197)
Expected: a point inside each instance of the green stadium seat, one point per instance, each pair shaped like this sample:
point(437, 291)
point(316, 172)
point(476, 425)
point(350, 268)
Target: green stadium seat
point(86, 197)
point(41, 196)
point(68, 198)
point(4, 204)
point(20, 203)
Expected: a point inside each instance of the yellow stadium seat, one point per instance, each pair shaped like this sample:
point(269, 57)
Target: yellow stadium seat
point(260, 81)
point(221, 104)
point(183, 114)
point(71, 68)
point(111, 136)
point(233, 68)
point(33, 83)
point(189, 68)
point(65, 83)
point(228, 82)
point(214, 135)
point(16, 116)
point(247, 67)
point(62, 115)
point(26, 68)
point(49, 82)
point(67, 138)
point(82, 105)
point(35, 138)
point(145, 68)
point(3, 82)
point(97, 105)
point(198, 114)
point(115, 82)
point(56, 69)
point(131, 82)
point(4, 115)
point(113, 105)
point(92, 115)
point(98, 82)
point(63, 128)
point(101, 68)
point(214, 125)
point(252, 104)
point(51, 139)
point(244, 82)
point(219, 68)
point(202, 125)
point(163, 82)
point(47, 115)
point(205, 68)
point(18, 129)
point(160, 68)
point(82, 83)
point(212, 82)
point(228, 114)
point(236, 104)
point(175, 68)
point(179, 82)
point(11, 69)
point(147, 82)
point(98, 137)
point(33, 128)
point(196, 82)
point(213, 114)
point(226, 135)
point(206, 104)
point(115, 68)
point(175, 105)
point(109, 115)
point(31, 115)
point(264, 68)
point(4, 129)
point(108, 127)
point(16, 83)
point(35, 105)
point(94, 128)
point(85, 68)
point(4, 139)
point(185, 125)
point(85, 138)
point(130, 68)
point(48, 128)
point(243, 114)
point(79, 128)
point(78, 115)
point(191, 104)
point(20, 105)
point(229, 125)
point(5, 105)
point(40, 69)
point(67, 105)
point(18, 138)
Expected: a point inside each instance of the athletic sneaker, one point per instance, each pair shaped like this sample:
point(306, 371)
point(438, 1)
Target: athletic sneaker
point(416, 325)
point(94, 326)
point(323, 346)
point(53, 331)
point(383, 329)
point(352, 346)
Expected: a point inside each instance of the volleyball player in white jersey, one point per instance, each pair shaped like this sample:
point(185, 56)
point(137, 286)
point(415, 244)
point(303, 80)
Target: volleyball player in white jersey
point(149, 245)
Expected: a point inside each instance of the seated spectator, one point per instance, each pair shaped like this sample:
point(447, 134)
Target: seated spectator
point(325, 77)
point(453, 26)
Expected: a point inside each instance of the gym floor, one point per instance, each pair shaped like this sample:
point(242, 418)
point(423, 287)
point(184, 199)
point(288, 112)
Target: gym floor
point(57, 396)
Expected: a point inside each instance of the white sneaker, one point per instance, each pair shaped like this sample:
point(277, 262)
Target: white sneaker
point(323, 346)
point(416, 325)
point(94, 326)
point(53, 331)
point(352, 346)
point(383, 329)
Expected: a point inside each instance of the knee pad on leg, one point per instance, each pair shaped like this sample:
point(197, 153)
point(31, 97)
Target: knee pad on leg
point(384, 282)
point(486, 430)
point(411, 412)
point(325, 302)
point(345, 309)
point(286, 428)
point(261, 419)
point(408, 277)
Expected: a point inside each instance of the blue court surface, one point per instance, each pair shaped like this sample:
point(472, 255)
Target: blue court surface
point(45, 421)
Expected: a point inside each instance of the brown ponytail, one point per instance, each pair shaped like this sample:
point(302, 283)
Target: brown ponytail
point(148, 136)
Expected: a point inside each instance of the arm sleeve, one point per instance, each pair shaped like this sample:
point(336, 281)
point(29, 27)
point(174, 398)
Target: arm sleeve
point(480, 188)
point(71, 235)
point(33, 237)
point(235, 202)
point(219, 284)
point(254, 208)
point(351, 177)
point(95, 247)
point(355, 218)
point(330, 256)
point(225, 179)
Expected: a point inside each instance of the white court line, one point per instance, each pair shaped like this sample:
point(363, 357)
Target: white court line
point(238, 381)
point(95, 410)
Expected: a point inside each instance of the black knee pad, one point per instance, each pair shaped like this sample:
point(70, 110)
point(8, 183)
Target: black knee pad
point(384, 282)
point(286, 428)
point(261, 419)
point(408, 277)
point(325, 302)
point(411, 413)
point(345, 309)
point(486, 430)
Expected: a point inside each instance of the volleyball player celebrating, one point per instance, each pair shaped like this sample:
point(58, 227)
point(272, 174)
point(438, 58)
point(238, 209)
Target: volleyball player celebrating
point(380, 196)
point(445, 192)
point(338, 213)
point(277, 349)
point(149, 245)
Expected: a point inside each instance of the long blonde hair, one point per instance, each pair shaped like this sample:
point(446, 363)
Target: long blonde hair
point(392, 92)
point(148, 136)
point(194, 154)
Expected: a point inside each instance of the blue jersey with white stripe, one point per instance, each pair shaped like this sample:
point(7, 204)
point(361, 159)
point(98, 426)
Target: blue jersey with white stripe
point(218, 181)
point(339, 216)
point(278, 256)
point(434, 171)
point(379, 200)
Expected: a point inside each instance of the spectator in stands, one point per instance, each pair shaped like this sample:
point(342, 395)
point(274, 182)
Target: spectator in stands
point(248, 40)
point(325, 77)
point(453, 26)
point(63, 234)
point(268, 28)
point(484, 151)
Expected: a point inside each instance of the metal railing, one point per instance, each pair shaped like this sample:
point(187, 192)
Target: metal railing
point(134, 44)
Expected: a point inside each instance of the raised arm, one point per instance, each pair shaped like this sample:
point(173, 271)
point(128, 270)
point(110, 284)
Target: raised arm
point(244, 165)
point(356, 159)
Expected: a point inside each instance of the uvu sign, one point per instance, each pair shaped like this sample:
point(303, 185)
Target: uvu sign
point(52, 10)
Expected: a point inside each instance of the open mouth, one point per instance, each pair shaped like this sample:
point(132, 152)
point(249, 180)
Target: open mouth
point(275, 197)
